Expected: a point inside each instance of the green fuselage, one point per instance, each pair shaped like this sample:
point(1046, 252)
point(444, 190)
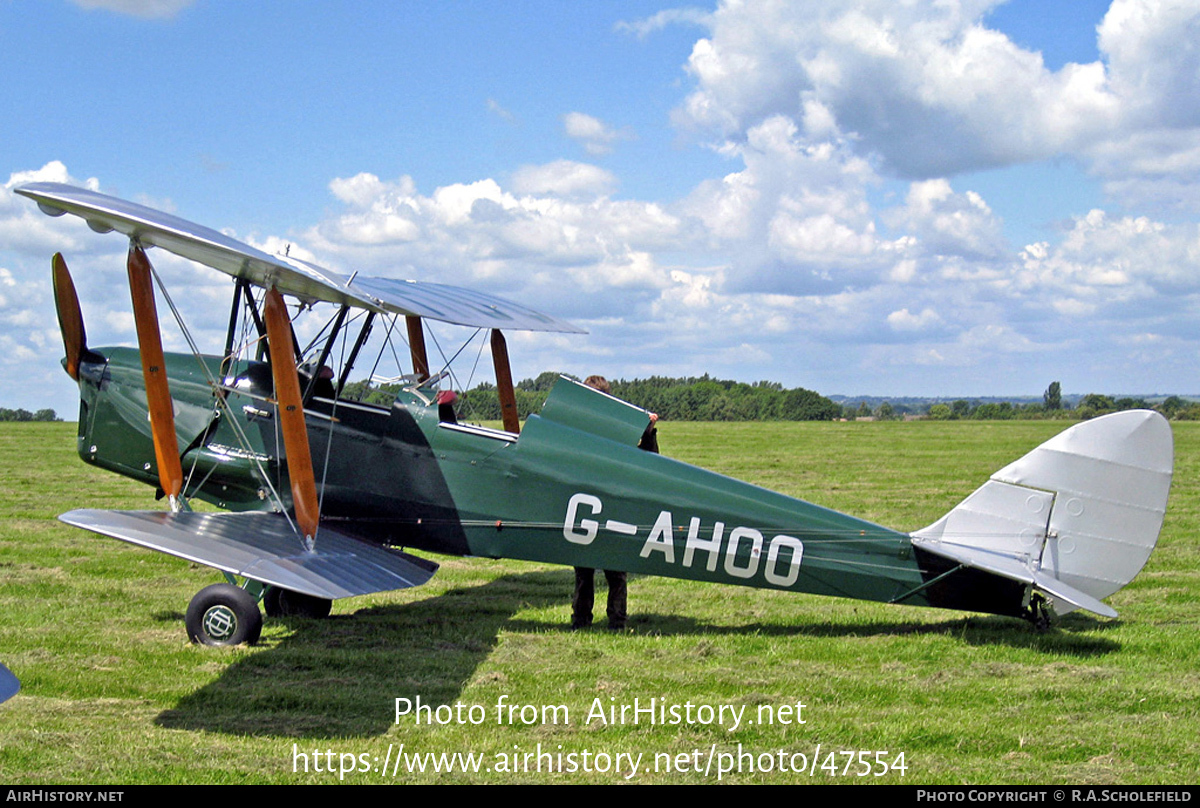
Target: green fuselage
point(572, 489)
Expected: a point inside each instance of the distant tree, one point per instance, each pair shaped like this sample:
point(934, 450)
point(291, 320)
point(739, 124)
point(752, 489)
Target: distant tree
point(987, 411)
point(542, 383)
point(1190, 412)
point(960, 408)
point(885, 412)
point(1094, 404)
point(1132, 404)
point(863, 410)
point(356, 391)
point(25, 415)
point(1052, 398)
point(1171, 405)
point(805, 405)
point(940, 412)
point(1098, 402)
point(994, 411)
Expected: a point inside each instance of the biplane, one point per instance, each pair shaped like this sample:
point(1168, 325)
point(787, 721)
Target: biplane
point(325, 495)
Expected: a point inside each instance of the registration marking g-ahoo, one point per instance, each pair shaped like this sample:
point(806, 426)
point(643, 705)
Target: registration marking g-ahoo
point(783, 556)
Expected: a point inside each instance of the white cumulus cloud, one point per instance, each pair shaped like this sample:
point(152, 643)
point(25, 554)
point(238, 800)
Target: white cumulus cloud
point(932, 91)
point(595, 135)
point(565, 178)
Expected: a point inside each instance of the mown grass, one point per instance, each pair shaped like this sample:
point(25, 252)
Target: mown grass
point(113, 693)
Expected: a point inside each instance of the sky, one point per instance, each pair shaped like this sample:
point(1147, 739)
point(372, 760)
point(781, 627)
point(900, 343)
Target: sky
point(954, 198)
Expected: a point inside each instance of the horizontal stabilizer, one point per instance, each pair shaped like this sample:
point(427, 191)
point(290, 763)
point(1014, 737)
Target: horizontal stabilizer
point(263, 547)
point(1013, 569)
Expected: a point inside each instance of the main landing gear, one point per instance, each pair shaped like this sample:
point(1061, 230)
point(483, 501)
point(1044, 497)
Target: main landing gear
point(278, 602)
point(226, 614)
point(223, 614)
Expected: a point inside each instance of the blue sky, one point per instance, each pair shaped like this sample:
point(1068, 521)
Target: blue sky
point(950, 199)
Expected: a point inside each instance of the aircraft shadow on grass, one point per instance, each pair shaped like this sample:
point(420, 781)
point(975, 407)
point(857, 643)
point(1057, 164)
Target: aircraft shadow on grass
point(338, 677)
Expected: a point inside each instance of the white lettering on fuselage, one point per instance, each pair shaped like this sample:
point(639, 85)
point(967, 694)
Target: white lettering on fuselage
point(740, 554)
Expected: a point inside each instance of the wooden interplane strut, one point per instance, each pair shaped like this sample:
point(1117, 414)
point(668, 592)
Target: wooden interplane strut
point(504, 383)
point(416, 347)
point(154, 370)
point(291, 414)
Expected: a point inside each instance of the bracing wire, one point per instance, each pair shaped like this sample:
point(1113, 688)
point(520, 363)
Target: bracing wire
point(187, 335)
point(474, 367)
point(447, 363)
point(329, 440)
point(387, 338)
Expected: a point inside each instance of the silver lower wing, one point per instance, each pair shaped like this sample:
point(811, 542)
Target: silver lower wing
point(262, 547)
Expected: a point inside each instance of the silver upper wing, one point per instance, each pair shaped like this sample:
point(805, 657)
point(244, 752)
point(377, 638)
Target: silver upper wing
point(309, 282)
point(153, 228)
point(454, 304)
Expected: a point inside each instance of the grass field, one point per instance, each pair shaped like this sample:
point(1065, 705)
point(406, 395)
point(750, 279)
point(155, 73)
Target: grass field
point(113, 693)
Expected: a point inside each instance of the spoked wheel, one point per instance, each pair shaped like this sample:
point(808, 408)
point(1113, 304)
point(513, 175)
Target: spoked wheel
point(223, 614)
point(280, 602)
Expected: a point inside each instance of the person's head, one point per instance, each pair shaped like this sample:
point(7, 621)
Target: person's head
point(598, 383)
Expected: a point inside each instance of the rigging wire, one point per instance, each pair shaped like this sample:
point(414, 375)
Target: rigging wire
point(187, 335)
point(329, 440)
point(313, 342)
point(387, 338)
point(447, 363)
point(468, 400)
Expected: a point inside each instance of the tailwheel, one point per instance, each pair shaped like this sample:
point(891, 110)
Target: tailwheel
point(223, 614)
point(1039, 612)
point(280, 602)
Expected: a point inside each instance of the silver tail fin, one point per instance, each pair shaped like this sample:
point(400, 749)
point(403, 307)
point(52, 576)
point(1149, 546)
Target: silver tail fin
point(1075, 519)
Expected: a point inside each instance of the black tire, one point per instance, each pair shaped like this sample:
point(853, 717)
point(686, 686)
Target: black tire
point(270, 601)
point(223, 614)
point(296, 604)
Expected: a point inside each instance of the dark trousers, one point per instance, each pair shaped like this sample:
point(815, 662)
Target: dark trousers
point(585, 597)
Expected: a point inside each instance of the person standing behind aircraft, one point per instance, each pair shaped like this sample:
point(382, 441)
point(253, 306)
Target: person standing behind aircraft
point(585, 577)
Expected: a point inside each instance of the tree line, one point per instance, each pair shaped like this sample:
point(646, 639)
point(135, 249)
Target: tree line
point(1052, 406)
point(25, 415)
point(700, 398)
point(704, 398)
